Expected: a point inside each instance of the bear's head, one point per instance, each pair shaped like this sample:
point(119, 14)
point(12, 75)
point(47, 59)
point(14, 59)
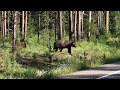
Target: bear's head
point(73, 44)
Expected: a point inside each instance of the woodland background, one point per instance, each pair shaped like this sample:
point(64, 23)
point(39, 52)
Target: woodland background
point(27, 39)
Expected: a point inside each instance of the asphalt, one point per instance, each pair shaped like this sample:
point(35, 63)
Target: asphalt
point(107, 71)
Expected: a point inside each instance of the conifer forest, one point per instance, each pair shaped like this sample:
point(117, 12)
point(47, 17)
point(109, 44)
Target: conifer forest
point(48, 44)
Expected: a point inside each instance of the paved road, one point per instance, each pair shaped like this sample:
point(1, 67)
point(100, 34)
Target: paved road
point(107, 71)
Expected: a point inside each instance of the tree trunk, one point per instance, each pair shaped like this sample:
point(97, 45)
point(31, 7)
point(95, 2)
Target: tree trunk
point(90, 12)
point(3, 29)
point(38, 26)
point(5, 23)
point(64, 24)
point(49, 37)
point(14, 31)
point(79, 26)
point(60, 24)
point(1, 23)
point(70, 25)
point(75, 26)
point(23, 25)
point(99, 21)
point(8, 23)
point(55, 25)
point(25, 28)
point(107, 21)
point(82, 13)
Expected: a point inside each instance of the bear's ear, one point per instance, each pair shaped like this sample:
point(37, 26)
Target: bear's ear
point(72, 42)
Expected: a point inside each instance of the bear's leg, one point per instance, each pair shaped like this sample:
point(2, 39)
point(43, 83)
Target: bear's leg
point(61, 49)
point(56, 49)
point(69, 50)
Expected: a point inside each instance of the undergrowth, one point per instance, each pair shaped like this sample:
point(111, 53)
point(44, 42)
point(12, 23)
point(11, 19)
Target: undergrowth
point(33, 62)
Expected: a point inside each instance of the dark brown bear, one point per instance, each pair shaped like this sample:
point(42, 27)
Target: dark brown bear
point(61, 44)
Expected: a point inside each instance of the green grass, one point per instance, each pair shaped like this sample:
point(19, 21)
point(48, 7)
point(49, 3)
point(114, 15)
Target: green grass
point(33, 62)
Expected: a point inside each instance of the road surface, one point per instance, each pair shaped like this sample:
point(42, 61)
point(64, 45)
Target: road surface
point(107, 71)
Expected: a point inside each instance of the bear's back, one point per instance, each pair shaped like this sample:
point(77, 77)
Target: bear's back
point(62, 43)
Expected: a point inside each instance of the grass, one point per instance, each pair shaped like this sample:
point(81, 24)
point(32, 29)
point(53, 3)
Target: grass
point(33, 61)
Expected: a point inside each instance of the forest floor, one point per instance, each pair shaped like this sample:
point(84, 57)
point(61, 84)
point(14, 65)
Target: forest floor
point(33, 62)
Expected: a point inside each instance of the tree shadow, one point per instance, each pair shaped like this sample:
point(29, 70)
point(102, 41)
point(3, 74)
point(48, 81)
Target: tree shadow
point(40, 61)
point(80, 76)
point(114, 65)
point(113, 43)
point(95, 76)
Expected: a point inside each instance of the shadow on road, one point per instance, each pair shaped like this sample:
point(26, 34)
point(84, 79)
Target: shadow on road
point(80, 76)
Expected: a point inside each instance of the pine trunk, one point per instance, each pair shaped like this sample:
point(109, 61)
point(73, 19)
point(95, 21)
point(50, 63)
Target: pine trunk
point(75, 25)
point(5, 23)
point(70, 25)
point(60, 24)
point(79, 26)
point(25, 29)
point(8, 23)
point(14, 31)
point(55, 25)
point(107, 21)
point(99, 21)
point(82, 13)
point(38, 26)
point(3, 29)
point(23, 25)
point(90, 12)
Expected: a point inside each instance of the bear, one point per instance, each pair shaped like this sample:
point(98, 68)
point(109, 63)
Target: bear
point(61, 44)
